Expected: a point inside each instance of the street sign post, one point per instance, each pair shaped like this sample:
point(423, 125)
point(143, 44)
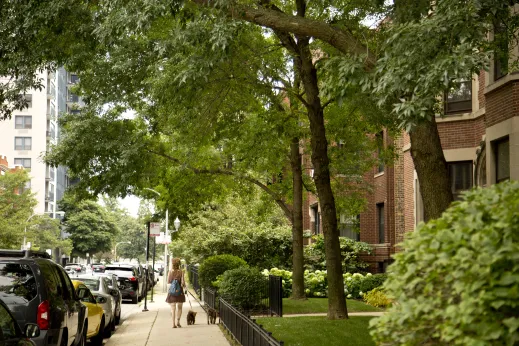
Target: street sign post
point(154, 229)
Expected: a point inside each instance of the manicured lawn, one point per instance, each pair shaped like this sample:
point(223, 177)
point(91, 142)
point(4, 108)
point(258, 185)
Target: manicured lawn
point(316, 305)
point(316, 330)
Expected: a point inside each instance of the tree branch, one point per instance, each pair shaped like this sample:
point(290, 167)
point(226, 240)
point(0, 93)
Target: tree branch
point(276, 20)
point(279, 201)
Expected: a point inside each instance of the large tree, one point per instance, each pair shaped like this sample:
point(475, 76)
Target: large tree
point(90, 226)
point(16, 207)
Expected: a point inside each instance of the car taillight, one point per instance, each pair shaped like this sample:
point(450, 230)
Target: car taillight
point(42, 318)
point(133, 278)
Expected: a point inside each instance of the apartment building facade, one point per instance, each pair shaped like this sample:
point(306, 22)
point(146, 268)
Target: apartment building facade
point(26, 137)
point(479, 133)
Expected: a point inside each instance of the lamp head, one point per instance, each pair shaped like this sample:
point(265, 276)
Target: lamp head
point(176, 223)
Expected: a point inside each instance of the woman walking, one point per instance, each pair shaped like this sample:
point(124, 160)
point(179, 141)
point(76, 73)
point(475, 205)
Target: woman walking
point(176, 296)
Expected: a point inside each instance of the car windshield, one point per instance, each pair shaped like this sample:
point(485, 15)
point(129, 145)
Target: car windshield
point(92, 284)
point(17, 280)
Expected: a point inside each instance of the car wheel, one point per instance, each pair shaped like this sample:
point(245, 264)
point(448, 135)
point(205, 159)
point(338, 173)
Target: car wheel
point(113, 325)
point(118, 318)
point(64, 338)
point(135, 300)
point(98, 339)
point(83, 339)
point(108, 331)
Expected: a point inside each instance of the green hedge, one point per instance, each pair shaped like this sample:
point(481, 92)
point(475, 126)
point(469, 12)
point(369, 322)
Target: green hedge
point(243, 287)
point(214, 266)
point(457, 280)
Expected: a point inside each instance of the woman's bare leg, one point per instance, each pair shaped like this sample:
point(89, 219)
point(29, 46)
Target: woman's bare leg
point(179, 313)
point(173, 308)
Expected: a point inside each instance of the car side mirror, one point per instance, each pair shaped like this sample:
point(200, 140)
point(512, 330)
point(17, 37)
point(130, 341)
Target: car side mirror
point(101, 300)
point(31, 330)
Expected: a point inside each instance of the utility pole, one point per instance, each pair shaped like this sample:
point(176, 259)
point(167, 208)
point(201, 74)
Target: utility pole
point(153, 268)
point(165, 274)
point(146, 269)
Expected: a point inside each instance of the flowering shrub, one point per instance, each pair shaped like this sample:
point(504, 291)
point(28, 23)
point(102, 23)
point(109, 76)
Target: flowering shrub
point(377, 298)
point(316, 284)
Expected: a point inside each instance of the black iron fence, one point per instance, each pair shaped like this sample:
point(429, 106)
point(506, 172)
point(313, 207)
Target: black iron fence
point(276, 295)
point(210, 298)
point(192, 273)
point(245, 330)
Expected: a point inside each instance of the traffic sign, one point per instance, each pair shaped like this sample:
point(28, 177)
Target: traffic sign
point(154, 229)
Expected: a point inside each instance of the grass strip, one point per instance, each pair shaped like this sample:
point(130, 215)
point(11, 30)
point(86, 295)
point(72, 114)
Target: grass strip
point(316, 330)
point(320, 305)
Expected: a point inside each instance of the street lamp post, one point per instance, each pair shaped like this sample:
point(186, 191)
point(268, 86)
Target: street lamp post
point(115, 252)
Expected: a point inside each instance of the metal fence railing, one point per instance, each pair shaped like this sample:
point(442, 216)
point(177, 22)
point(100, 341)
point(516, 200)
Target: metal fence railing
point(210, 298)
point(192, 272)
point(243, 329)
point(276, 295)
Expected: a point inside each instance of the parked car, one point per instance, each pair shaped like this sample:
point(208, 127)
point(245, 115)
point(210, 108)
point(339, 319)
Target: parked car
point(142, 275)
point(113, 285)
point(98, 285)
point(130, 282)
point(151, 277)
point(11, 334)
point(38, 291)
point(98, 268)
point(74, 268)
point(96, 317)
point(82, 268)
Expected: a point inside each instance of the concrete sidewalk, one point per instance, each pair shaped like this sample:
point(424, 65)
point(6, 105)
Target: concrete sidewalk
point(154, 327)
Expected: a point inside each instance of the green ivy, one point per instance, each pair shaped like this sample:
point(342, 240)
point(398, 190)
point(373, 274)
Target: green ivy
point(457, 280)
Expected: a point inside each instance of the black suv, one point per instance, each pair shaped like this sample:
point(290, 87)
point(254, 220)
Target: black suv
point(37, 290)
point(131, 283)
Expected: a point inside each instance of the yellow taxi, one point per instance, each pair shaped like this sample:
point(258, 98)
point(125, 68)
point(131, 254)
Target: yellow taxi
point(95, 313)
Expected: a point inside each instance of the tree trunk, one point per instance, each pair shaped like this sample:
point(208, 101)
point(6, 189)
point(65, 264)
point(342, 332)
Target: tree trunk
point(298, 283)
point(321, 164)
point(431, 169)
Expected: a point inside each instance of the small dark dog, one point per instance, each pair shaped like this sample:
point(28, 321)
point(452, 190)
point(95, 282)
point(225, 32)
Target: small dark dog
point(191, 317)
point(211, 316)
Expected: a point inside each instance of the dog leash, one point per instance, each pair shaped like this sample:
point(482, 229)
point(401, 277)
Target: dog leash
point(189, 300)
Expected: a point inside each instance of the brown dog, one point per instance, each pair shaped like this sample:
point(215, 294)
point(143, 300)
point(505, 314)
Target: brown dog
point(191, 317)
point(211, 316)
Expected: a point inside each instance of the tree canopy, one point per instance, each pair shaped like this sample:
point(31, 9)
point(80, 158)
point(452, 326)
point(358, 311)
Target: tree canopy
point(16, 206)
point(90, 226)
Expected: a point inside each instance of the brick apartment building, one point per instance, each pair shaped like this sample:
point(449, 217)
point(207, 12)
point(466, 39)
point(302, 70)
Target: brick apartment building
point(480, 138)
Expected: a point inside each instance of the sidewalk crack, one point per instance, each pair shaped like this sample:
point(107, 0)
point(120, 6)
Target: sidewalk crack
point(155, 319)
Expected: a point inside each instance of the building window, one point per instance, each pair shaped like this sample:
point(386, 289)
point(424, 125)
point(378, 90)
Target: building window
point(460, 177)
point(72, 97)
point(317, 220)
point(459, 98)
point(23, 122)
point(26, 163)
point(380, 147)
point(501, 54)
point(22, 143)
point(74, 78)
point(502, 157)
point(349, 227)
point(381, 223)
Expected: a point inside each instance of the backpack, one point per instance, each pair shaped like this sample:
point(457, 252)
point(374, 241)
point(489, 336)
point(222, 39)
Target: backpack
point(175, 289)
